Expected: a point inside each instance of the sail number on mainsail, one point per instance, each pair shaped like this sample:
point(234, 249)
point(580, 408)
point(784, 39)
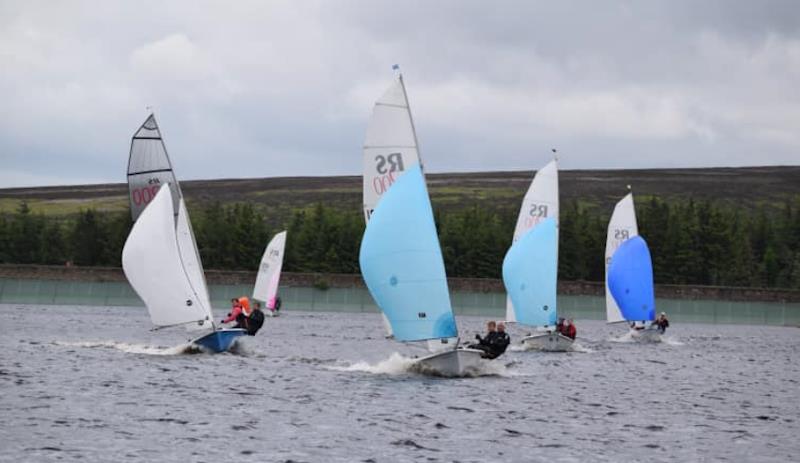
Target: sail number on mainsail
point(143, 196)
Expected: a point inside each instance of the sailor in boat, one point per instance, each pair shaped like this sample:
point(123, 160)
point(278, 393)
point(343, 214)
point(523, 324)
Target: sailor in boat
point(559, 325)
point(662, 323)
point(501, 342)
point(250, 320)
point(485, 341)
point(495, 342)
point(568, 329)
point(236, 311)
point(255, 321)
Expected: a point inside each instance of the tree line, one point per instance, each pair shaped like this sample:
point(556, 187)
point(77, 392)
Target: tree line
point(702, 243)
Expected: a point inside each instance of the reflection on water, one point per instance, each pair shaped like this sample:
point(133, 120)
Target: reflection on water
point(96, 384)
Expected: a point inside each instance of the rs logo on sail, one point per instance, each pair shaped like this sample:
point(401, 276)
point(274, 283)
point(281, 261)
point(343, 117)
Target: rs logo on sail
point(386, 166)
point(538, 210)
point(395, 161)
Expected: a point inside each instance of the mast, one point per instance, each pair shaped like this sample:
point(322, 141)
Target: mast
point(410, 116)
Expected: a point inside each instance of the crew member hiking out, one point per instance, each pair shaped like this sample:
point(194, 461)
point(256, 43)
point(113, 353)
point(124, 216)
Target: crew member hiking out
point(485, 341)
point(255, 321)
point(569, 329)
point(236, 310)
point(662, 323)
point(499, 343)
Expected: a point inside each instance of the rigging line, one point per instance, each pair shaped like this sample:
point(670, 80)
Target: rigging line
point(149, 171)
point(391, 105)
point(157, 328)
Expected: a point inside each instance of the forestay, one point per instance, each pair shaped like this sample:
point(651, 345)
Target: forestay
point(269, 271)
point(621, 228)
point(152, 264)
point(539, 204)
point(630, 280)
point(530, 275)
point(390, 146)
point(402, 264)
point(149, 167)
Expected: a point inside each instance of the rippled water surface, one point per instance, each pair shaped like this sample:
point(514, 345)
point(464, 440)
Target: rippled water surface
point(94, 384)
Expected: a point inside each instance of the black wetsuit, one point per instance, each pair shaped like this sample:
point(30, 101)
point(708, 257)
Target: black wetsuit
point(485, 342)
point(251, 324)
point(493, 345)
point(255, 322)
point(277, 304)
point(663, 324)
point(498, 345)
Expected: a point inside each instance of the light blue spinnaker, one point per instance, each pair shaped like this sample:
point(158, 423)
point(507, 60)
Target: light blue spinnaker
point(530, 275)
point(402, 263)
point(630, 280)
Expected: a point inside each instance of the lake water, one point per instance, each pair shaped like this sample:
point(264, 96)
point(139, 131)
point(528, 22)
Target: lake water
point(94, 384)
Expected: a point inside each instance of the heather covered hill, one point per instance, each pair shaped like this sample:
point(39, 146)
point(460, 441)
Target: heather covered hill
point(743, 187)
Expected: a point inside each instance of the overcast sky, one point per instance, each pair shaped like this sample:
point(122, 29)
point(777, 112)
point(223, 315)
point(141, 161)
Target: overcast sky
point(262, 89)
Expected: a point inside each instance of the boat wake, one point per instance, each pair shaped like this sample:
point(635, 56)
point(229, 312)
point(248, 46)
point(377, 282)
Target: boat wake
point(575, 347)
point(144, 349)
point(578, 347)
point(629, 338)
point(625, 338)
point(398, 364)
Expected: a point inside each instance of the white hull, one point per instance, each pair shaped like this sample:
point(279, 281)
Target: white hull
point(459, 362)
point(271, 313)
point(548, 342)
point(646, 335)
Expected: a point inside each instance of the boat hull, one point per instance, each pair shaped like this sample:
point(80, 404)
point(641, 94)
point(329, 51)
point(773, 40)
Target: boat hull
point(220, 340)
point(451, 363)
point(646, 335)
point(548, 342)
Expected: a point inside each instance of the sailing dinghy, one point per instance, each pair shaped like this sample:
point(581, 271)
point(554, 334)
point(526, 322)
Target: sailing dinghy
point(160, 257)
point(400, 257)
point(630, 296)
point(269, 274)
point(402, 265)
point(530, 268)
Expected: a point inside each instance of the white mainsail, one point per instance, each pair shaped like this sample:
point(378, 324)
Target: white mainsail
point(390, 146)
point(540, 203)
point(149, 167)
point(269, 271)
point(621, 227)
point(153, 264)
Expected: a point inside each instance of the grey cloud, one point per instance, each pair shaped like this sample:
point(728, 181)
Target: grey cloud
point(285, 88)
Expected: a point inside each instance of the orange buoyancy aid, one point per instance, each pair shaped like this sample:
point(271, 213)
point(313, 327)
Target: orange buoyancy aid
point(244, 301)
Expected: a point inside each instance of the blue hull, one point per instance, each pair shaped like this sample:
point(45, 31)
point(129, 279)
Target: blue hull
point(219, 341)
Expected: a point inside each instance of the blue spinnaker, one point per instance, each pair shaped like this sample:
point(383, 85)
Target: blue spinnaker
point(630, 280)
point(530, 272)
point(402, 264)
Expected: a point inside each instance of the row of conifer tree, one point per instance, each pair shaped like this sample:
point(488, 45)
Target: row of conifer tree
point(702, 243)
